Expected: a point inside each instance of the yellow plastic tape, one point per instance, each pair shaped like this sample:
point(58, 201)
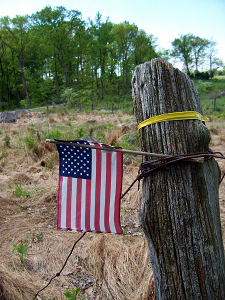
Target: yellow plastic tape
point(183, 115)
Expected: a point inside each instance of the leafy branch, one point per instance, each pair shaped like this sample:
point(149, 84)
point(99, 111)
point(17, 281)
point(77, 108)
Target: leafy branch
point(21, 249)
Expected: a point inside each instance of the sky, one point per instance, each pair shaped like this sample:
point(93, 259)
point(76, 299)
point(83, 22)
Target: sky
point(165, 19)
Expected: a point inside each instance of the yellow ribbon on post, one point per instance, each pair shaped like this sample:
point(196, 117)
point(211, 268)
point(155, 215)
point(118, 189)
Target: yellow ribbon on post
point(183, 115)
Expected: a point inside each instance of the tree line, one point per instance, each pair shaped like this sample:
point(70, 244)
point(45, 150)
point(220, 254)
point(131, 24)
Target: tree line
point(195, 51)
point(54, 50)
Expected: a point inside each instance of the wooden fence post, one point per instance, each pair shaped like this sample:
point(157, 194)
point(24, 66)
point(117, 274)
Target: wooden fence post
point(179, 210)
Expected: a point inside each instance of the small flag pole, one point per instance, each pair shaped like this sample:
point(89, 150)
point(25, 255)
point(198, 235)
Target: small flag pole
point(107, 148)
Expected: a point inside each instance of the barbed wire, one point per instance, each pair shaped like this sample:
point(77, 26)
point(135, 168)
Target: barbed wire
point(148, 167)
point(58, 274)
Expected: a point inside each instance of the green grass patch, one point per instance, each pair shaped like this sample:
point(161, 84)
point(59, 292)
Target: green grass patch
point(214, 109)
point(19, 192)
point(31, 141)
point(221, 77)
point(74, 133)
point(130, 141)
point(51, 160)
point(7, 141)
point(207, 86)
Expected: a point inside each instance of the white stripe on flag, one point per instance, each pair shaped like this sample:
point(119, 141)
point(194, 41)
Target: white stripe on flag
point(73, 204)
point(93, 184)
point(113, 192)
point(83, 204)
point(64, 202)
point(102, 196)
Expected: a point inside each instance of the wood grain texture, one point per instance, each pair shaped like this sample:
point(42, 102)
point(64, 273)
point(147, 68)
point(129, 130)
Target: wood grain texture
point(179, 211)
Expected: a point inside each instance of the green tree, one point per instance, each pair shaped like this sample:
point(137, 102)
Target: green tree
point(214, 62)
point(199, 47)
point(144, 47)
point(3, 98)
point(182, 50)
point(101, 33)
point(80, 42)
point(58, 26)
point(15, 35)
point(124, 35)
point(38, 66)
point(112, 61)
point(164, 54)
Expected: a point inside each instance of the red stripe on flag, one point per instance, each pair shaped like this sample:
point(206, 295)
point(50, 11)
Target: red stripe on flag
point(98, 189)
point(78, 204)
point(119, 174)
point(107, 191)
point(88, 205)
point(68, 203)
point(59, 203)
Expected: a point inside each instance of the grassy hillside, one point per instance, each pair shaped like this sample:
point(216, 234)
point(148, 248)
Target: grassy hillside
point(208, 91)
point(28, 194)
point(213, 105)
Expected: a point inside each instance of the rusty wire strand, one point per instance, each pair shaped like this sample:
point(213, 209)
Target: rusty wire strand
point(148, 167)
point(58, 274)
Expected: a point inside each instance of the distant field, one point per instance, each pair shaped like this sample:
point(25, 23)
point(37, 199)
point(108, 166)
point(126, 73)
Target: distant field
point(220, 77)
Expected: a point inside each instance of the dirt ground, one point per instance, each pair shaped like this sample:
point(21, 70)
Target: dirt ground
point(100, 262)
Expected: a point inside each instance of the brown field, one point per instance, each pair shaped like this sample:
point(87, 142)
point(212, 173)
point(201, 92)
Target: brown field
point(121, 262)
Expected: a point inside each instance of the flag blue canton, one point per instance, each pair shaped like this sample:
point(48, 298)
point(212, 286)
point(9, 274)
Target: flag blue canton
point(75, 162)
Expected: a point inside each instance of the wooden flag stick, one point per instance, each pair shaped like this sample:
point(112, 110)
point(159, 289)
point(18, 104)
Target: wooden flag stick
point(108, 148)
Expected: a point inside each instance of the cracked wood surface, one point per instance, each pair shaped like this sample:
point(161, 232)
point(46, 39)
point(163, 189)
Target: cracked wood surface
point(179, 211)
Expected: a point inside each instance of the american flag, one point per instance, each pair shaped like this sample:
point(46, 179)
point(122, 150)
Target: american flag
point(90, 183)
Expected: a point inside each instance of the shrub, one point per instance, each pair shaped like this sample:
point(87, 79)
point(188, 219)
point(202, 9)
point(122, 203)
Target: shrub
point(31, 142)
point(73, 295)
point(51, 160)
point(53, 134)
point(7, 141)
point(19, 192)
point(202, 75)
point(21, 249)
point(4, 153)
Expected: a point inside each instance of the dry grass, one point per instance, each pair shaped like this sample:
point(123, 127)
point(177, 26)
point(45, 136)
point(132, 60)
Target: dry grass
point(123, 267)
point(121, 262)
point(51, 120)
point(112, 138)
point(44, 148)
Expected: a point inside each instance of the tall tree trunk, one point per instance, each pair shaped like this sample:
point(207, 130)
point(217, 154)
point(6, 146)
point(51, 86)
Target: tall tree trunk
point(96, 79)
point(123, 73)
point(56, 79)
point(126, 80)
point(65, 71)
point(188, 71)
point(196, 62)
point(15, 79)
point(24, 81)
point(78, 74)
point(2, 86)
point(18, 96)
point(210, 65)
point(179, 210)
point(101, 66)
point(8, 87)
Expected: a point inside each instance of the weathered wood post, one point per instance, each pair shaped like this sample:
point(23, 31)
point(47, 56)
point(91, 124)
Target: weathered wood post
point(179, 211)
